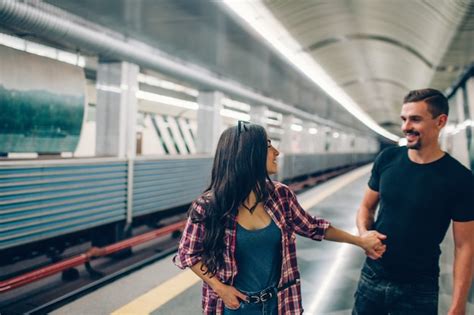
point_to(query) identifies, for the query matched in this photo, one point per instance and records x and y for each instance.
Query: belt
(269, 293)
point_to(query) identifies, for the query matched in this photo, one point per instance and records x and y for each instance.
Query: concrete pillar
(209, 121)
(116, 110)
(258, 115)
(459, 106)
(291, 140)
(460, 143)
(470, 105)
(470, 96)
(309, 137)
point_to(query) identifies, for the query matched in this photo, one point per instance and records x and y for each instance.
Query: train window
(172, 135)
(185, 128)
(163, 144)
(178, 126)
(190, 129)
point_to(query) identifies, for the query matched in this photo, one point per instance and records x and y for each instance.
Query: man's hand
(373, 246)
(230, 296)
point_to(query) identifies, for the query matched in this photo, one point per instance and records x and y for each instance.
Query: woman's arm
(318, 229)
(229, 294)
(371, 241)
(301, 221)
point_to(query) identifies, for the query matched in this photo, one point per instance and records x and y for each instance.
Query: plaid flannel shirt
(286, 212)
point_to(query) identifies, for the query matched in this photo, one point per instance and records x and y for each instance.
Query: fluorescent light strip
(166, 100)
(274, 115)
(108, 88)
(42, 50)
(275, 130)
(453, 129)
(313, 131)
(296, 127)
(237, 105)
(262, 21)
(153, 81)
(234, 114)
(148, 96)
(272, 121)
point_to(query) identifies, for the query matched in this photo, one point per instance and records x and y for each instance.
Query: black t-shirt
(417, 204)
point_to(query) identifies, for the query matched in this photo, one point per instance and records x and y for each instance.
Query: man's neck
(426, 155)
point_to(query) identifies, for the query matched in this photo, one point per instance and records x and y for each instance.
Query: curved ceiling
(379, 50)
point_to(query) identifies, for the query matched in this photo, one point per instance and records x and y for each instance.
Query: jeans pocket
(368, 272)
(230, 310)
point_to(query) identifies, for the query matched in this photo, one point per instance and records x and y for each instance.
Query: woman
(240, 234)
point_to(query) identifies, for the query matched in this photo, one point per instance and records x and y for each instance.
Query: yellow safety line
(335, 186)
(158, 296)
(168, 290)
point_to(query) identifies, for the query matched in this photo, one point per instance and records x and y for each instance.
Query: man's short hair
(437, 102)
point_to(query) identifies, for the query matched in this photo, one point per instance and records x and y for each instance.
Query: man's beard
(414, 146)
(417, 144)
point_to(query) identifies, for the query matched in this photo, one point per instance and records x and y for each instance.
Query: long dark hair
(239, 168)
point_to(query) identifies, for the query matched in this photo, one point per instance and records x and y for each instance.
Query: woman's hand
(230, 296)
(372, 244)
(227, 293)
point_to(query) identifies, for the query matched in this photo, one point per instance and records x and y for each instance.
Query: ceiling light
(168, 85)
(296, 127)
(275, 130)
(234, 114)
(42, 50)
(236, 105)
(166, 100)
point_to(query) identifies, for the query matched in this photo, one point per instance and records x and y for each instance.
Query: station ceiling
(375, 50)
(378, 50)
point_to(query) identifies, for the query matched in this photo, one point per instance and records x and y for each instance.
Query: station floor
(329, 271)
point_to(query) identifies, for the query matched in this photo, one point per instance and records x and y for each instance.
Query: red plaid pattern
(288, 215)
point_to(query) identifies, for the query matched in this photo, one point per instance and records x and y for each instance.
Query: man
(421, 189)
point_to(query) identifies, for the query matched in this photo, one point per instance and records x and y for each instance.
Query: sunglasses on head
(242, 126)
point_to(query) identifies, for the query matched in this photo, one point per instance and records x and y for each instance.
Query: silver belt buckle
(266, 296)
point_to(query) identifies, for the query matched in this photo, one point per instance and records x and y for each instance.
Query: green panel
(39, 121)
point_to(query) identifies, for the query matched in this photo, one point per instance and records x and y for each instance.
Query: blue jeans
(269, 307)
(378, 296)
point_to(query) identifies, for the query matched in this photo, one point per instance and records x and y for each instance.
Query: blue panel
(39, 200)
(167, 183)
(295, 165)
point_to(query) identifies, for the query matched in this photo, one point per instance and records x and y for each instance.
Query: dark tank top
(258, 255)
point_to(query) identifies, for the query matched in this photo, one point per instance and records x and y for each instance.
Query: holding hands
(372, 244)
(370, 241)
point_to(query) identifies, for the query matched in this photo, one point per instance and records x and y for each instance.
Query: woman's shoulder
(279, 185)
(201, 203)
(280, 190)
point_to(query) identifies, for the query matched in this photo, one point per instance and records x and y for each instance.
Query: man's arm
(366, 214)
(463, 269)
(366, 217)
